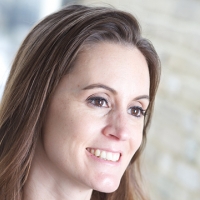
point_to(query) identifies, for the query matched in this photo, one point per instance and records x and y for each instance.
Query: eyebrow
(98, 85)
(142, 97)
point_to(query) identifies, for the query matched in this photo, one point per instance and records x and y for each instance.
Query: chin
(107, 185)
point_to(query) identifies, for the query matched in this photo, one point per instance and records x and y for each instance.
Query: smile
(106, 155)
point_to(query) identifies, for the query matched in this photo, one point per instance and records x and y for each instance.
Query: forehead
(116, 65)
(111, 58)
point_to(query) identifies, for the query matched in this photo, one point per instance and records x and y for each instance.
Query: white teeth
(115, 157)
(97, 152)
(109, 156)
(92, 151)
(105, 155)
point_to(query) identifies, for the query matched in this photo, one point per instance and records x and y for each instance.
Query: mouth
(105, 155)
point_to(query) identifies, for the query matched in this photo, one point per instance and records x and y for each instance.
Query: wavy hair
(45, 56)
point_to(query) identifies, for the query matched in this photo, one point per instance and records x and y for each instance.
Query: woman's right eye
(98, 102)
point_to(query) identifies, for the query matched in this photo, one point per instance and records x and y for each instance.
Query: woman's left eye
(98, 102)
(136, 111)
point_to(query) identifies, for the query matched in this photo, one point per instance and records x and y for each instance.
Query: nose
(117, 127)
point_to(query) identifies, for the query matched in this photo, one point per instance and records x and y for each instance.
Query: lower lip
(98, 159)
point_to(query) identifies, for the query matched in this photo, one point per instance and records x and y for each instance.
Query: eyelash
(92, 100)
(141, 111)
(100, 100)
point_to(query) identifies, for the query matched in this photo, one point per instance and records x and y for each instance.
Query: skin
(62, 167)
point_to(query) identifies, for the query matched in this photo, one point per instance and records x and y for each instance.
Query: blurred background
(171, 160)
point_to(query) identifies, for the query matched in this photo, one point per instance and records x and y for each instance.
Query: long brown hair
(46, 55)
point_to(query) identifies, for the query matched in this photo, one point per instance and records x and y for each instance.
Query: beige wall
(172, 156)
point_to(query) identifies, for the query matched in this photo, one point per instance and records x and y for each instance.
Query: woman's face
(95, 120)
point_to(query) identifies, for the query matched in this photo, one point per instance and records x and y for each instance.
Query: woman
(76, 107)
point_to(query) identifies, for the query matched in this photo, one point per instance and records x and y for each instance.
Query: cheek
(136, 144)
(140, 136)
(56, 127)
(137, 137)
(139, 140)
(70, 123)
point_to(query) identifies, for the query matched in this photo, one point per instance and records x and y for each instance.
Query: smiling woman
(76, 107)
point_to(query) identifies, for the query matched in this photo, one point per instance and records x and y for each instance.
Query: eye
(98, 102)
(136, 111)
